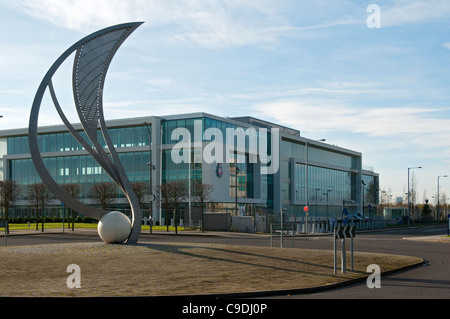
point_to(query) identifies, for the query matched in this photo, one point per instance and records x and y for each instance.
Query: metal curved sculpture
(92, 59)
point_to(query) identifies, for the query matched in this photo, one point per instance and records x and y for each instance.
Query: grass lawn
(170, 269)
(79, 226)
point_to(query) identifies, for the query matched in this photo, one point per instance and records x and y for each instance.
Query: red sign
(305, 209)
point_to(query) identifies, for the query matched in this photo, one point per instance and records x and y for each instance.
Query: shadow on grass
(189, 251)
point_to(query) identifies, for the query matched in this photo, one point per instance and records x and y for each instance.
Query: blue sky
(311, 65)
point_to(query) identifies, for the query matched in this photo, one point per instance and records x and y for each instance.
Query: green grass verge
(80, 226)
(50, 226)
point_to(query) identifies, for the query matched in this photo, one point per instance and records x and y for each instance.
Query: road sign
(350, 232)
(343, 232)
(339, 232)
(305, 209)
(345, 216)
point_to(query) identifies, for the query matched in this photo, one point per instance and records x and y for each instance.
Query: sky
(325, 68)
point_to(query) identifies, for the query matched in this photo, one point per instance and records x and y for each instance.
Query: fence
(326, 226)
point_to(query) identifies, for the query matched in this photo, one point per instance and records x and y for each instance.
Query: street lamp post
(282, 228)
(363, 184)
(236, 189)
(409, 208)
(328, 191)
(381, 206)
(306, 171)
(438, 207)
(317, 207)
(151, 168)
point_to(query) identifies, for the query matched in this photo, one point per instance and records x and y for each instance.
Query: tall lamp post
(306, 171)
(409, 208)
(328, 191)
(151, 168)
(363, 184)
(438, 207)
(381, 206)
(236, 189)
(317, 208)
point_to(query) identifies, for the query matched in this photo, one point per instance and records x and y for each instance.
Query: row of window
(64, 141)
(203, 124)
(82, 169)
(298, 151)
(120, 137)
(323, 184)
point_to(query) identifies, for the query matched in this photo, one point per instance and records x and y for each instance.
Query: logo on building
(219, 170)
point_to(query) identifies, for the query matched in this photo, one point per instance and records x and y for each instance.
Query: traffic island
(174, 269)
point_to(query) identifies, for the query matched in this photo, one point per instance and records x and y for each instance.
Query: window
(320, 180)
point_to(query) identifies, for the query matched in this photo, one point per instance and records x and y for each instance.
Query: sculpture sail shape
(92, 59)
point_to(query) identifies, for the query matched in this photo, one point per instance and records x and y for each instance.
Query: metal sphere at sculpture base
(114, 227)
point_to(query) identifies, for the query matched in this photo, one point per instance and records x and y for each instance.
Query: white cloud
(126, 109)
(209, 24)
(412, 12)
(421, 125)
(81, 14)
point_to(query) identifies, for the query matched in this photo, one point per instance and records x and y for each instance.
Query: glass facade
(172, 172)
(370, 190)
(333, 179)
(176, 172)
(339, 184)
(79, 169)
(66, 167)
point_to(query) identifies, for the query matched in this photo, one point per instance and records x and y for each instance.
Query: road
(424, 282)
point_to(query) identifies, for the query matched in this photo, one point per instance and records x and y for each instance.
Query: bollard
(5, 225)
(271, 236)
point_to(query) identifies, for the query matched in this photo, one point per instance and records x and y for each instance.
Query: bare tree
(104, 193)
(73, 190)
(163, 193)
(141, 190)
(202, 194)
(9, 191)
(413, 193)
(172, 194)
(442, 202)
(39, 196)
